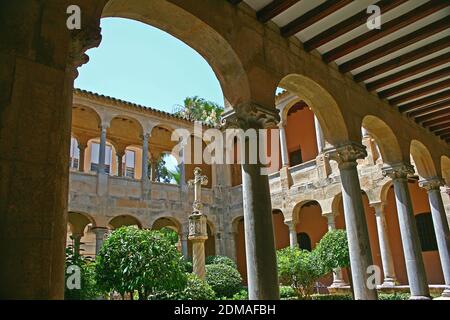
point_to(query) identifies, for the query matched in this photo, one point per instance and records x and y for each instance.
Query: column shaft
(120, 170)
(198, 258)
(145, 157)
(82, 149)
(293, 242)
(102, 150)
(100, 234)
(319, 135)
(283, 143)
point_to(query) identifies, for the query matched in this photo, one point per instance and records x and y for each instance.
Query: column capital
(282, 124)
(145, 136)
(434, 183)
(346, 154)
(82, 40)
(331, 219)
(103, 126)
(379, 207)
(251, 115)
(291, 224)
(398, 171)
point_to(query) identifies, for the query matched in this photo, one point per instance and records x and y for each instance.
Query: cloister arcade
(375, 169)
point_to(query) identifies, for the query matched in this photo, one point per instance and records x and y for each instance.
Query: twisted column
(198, 235)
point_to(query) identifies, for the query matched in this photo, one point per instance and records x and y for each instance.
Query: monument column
(385, 248)
(408, 230)
(440, 223)
(258, 225)
(355, 218)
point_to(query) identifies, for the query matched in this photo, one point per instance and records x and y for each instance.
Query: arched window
(304, 241)
(425, 228)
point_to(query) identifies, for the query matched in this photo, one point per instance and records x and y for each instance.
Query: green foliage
(331, 297)
(170, 234)
(393, 296)
(220, 260)
(241, 295)
(332, 250)
(199, 109)
(287, 293)
(299, 269)
(139, 260)
(88, 287)
(197, 289)
(223, 279)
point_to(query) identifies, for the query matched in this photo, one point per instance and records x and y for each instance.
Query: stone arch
(422, 159)
(445, 167)
(195, 33)
(168, 222)
(126, 127)
(78, 221)
(323, 105)
(124, 220)
(385, 138)
(85, 117)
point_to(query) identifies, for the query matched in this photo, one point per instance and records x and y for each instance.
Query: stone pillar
(319, 135)
(338, 279)
(385, 248)
(102, 149)
(100, 235)
(145, 138)
(410, 238)
(440, 226)
(293, 242)
(36, 74)
(120, 169)
(76, 242)
(355, 218)
(82, 148)
(198, 234)
(154, 163)
(283, 144)
(184, 244)
(258, 225)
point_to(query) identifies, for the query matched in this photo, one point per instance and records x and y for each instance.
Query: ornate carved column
(385, 248)
(355, 218)
(82, 148)
(410, 238)
(440, 223)
(338, 279)
(259, 236)
(293, 242)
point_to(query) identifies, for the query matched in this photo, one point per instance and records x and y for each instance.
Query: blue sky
(141, 64)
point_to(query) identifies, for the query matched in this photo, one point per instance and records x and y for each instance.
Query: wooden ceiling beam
(274, 8)
(424, 102)
(421, 92)
(441, 126)
(442, 132)
(312, 16)
(431, 112)
(409, 72)
(438, 120)
(388, 28)
(396, 62)
(348, 25)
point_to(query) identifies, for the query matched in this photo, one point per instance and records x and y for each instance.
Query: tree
(143, 261)
(163, 173)
(199, 109)
(299, 269)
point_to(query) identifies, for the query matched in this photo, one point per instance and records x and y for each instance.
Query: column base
(389, 283)
(420, 298)
(446, 292)
(338, 284)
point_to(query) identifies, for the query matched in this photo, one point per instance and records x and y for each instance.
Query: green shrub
(220, 260)
(331, 297)
(287, 293)
(223, 279)
(393, 296)
(332, 250)
(197, 289)
(241, 295)
(299, 269)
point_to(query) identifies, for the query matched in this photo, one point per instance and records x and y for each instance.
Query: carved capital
(250, 116)
(379, 208)
(346, 154)
(398, 171)
(198, 227)
(430, 184)
(82, 40)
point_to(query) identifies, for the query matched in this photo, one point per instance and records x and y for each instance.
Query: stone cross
(197, 182)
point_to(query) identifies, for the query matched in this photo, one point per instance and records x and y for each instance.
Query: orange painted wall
(300, 131)
(431, 258)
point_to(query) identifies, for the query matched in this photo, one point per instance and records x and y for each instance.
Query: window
(95, 151)
(74, 153)
(129, 163)
(295, 157)
(425, 228)
(304, 241)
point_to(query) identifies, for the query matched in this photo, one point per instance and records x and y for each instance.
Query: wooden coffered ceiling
(407, 61)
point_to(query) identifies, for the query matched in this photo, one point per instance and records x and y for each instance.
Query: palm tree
(199, 109)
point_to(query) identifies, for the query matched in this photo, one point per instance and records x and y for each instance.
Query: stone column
(440, 223)
(154, 163)
(184, 244)
(410, 238)
(102, 149)
(283, 144)
(198, 234)
(120, 170)
(355, 218)
(100, 235)
(319, 135)
(76, 242)
(385, 248)
(145, 138)
(258, 225)
(82, 148)
(39, 59)
(293, 242)
(338, 279)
